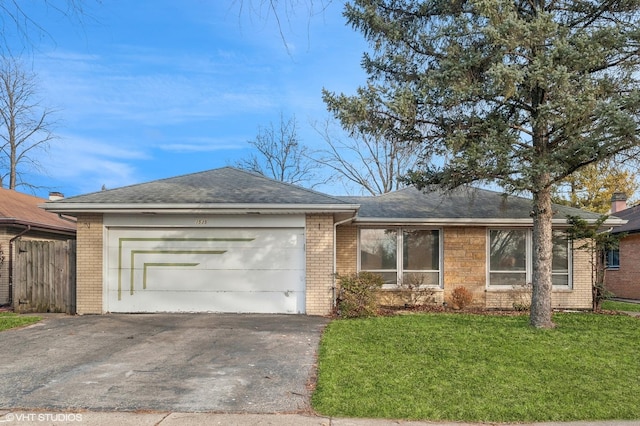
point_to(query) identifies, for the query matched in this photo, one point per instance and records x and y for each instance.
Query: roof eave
(40, 227)
(75, 208)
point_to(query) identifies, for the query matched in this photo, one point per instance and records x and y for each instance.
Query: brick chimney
(55, 196)
(618, 202)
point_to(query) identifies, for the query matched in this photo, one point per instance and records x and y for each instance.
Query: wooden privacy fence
(44, 276)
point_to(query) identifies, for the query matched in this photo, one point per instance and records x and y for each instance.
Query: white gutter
(69, 208)
(470, 221)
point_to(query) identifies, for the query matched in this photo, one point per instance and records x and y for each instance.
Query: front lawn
(475, 368)
(612, 305)
(10, 320)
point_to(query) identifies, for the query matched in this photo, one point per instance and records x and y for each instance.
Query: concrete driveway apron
(167, 362)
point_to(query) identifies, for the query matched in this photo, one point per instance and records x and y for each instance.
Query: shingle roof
(226, 185)
(461, 203)
(632, 215)
(16, 207)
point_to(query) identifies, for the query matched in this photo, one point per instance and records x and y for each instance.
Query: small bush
(357, 295)
(460, 298)
(521, 295)
(415, 293)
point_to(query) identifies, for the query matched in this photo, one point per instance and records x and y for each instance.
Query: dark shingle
(461, 203)
(229, 186)
(226, 185)
(632, 215)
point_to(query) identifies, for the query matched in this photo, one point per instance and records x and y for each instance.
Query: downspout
(335, 258)
(11, 241)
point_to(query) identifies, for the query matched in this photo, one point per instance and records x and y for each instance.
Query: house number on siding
(201, 221)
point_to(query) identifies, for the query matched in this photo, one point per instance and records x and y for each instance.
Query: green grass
(10, 320)
(612, 305)
(459, 367)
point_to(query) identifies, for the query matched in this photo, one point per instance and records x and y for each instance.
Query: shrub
(460, 298)
(415, 293)
(521, 295)
(357, 295)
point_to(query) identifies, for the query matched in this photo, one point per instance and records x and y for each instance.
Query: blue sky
(153, 89)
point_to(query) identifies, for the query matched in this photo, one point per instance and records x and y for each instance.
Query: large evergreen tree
(521, 93)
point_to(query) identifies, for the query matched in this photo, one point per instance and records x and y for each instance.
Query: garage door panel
(258, 266)
(259, 258)
(233, 259)
(183, 301)
(183, 278)
(205, 238)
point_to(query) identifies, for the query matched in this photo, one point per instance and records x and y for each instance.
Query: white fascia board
(468, 222)
(69, 208)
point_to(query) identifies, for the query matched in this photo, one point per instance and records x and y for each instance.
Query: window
(402, 255)
(560, 261)
(510, 258)
(378, 252)
(612, 259)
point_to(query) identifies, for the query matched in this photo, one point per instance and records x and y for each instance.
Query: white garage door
(259, 270)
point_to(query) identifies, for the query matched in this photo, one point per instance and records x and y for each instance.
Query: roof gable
(219, 187)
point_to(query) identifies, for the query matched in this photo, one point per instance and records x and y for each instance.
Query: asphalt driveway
(167, 362)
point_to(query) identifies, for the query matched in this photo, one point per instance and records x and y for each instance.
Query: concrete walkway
(43, 418)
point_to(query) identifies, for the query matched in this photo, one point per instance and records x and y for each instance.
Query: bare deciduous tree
(282, 11)
(371, 162)
(19, 28)
(25, 125)
(280, 155)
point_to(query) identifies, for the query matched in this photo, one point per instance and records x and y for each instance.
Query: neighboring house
(622, 277)
(227, 240)
(21, 218)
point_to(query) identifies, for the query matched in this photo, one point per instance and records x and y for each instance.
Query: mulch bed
(395, 310)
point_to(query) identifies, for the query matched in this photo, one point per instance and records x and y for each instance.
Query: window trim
(529, 260)
(399, 270)
(612, 266)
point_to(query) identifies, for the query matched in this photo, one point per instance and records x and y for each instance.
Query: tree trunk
(598, 288)
(542, 260)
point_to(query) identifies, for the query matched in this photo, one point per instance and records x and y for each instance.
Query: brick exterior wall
(89, 264)
(319, 259)
(625, 281)
(581, 295)
(346, 249)
(465, 263)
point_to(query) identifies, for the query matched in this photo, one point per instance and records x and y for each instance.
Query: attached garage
(223, 240)
(224, 265)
